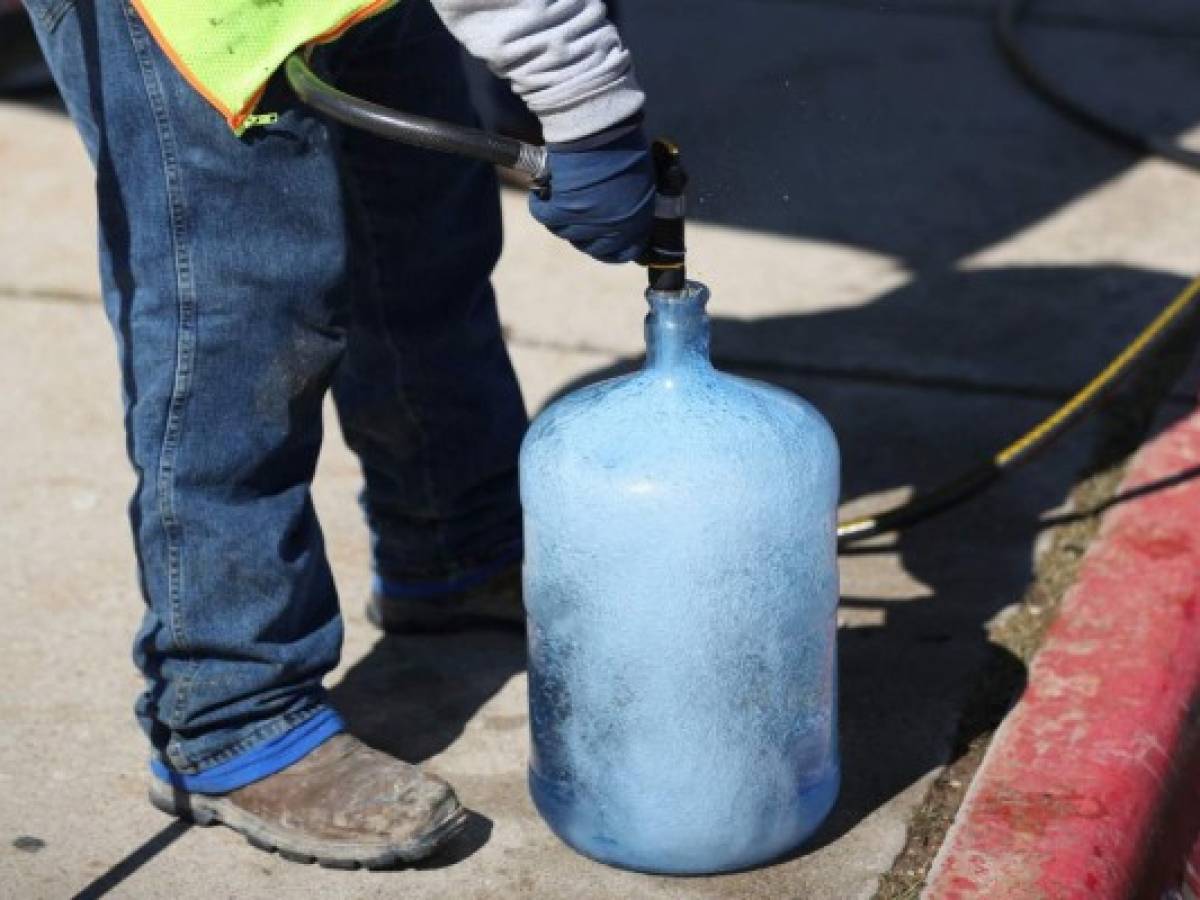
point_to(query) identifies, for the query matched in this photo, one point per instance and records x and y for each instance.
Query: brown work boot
(343, 806)
(495, 602)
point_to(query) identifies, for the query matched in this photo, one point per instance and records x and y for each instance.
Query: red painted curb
(1077, 795)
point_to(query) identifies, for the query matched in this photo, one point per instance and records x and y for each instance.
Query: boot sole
(204, 810)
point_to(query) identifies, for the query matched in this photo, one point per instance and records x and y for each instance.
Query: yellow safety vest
(228, 49)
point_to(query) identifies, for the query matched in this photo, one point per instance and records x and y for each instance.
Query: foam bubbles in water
(681, 583)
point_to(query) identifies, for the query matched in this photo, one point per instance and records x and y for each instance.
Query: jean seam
(50, 16)
(184, 765)
(358, 209)
(185, 338)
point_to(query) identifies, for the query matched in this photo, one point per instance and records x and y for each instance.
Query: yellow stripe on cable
(1113, 371)
(863, 526)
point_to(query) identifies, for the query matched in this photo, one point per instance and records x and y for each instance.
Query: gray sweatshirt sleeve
(563, 58)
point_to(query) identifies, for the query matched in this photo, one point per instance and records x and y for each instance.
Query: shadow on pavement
(116, 874)
(1123, 497)
(472, 838)
(412, 696)
(899, 127)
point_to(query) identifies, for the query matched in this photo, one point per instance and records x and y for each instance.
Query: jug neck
(677, 329)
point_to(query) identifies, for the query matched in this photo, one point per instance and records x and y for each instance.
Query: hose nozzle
(665, 257)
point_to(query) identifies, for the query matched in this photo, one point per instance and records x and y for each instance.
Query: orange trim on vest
(237, 119)
(188, 75)
(351, 20)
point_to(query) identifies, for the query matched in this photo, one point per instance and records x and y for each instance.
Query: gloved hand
(601, 195)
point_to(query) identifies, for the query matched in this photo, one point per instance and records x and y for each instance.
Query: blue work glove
(601, 196)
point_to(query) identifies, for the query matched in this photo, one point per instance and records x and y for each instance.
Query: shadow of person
(412, 696)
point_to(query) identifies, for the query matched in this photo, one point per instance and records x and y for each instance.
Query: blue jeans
(245, 278)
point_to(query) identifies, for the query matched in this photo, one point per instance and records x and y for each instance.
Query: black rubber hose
(416, 131)
(1008, 12)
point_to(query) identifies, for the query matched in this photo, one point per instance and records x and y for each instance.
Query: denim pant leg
(224, 266)
(426, 395)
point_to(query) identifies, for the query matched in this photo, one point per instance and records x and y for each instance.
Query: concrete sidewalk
(890, 226)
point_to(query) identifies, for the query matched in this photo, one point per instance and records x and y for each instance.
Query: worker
(255, 257)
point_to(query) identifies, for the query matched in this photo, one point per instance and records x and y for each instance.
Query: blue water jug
(681, 584)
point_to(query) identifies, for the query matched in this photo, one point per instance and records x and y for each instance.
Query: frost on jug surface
(681, 584)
